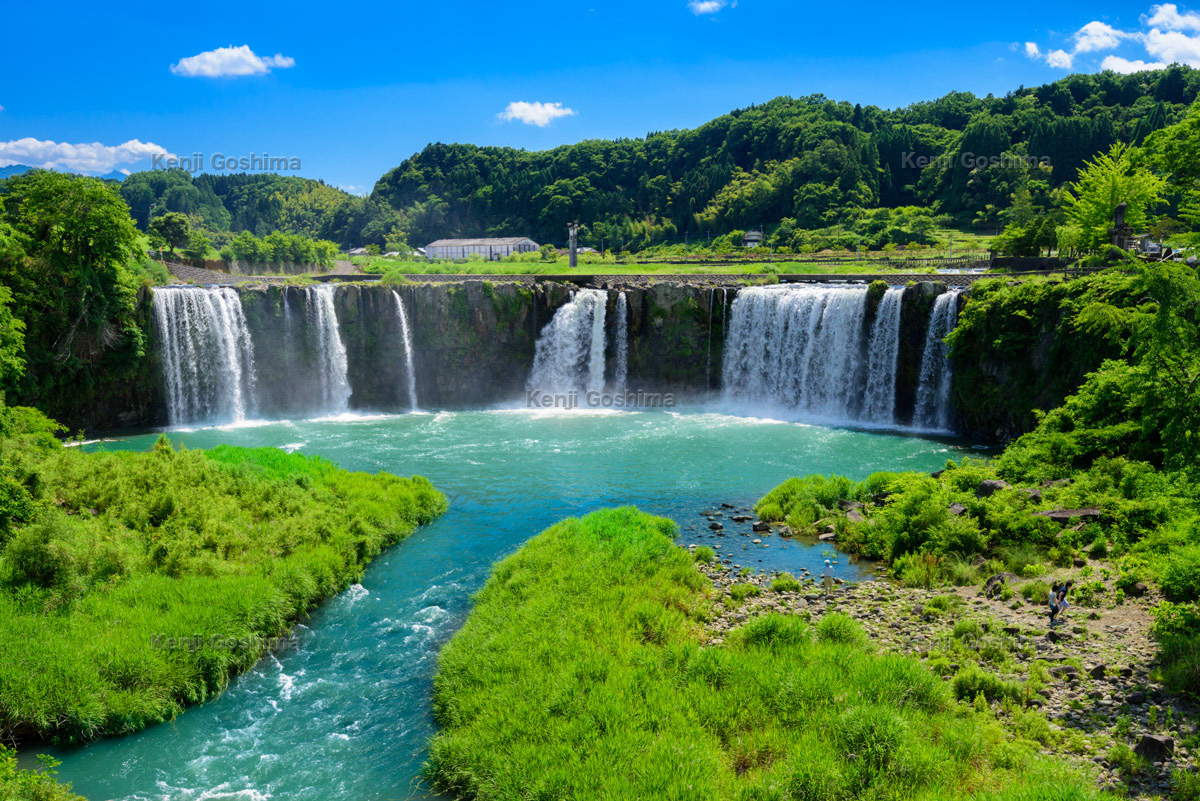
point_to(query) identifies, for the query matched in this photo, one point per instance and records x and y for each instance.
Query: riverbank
(1087, 691)
(133, 585)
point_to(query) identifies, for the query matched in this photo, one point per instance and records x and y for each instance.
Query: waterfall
(933, 392)
(331, 353)
(410, 376)
(622, 343)
(206, 353)
(879, 401)
(570, 350)
(807, 348)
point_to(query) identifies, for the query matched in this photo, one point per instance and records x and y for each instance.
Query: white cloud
(1098, 36)
(539, 114)
(1125, 66)
(1164, 38)
(1060, 59)
(1167, 16)
(1173, 46)
(85, 157)
(699, 7)
(229, 62)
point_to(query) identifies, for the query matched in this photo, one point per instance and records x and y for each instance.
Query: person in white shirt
(1053, 603)
(827, 578)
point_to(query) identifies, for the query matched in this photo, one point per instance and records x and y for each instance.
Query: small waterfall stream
(879, 401)
(331, 352)
(410, 376)
(933, 409)
(569, 355)
(622, 344)
(206, 352)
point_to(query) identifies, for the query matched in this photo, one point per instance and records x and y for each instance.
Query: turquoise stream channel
(344, 712)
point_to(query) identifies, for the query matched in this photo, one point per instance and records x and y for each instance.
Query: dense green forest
(794, 165)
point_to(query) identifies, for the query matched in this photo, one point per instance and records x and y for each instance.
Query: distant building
(490, 249)
(752, 239)
(357, 252)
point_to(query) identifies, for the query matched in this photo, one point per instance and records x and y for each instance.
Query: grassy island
(585, 671)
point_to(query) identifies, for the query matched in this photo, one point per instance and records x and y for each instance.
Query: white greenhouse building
(490, 249)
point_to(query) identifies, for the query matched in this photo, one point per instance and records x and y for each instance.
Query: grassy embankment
(106, 555)
(1116, 462)
(842, 266)
(582, 673)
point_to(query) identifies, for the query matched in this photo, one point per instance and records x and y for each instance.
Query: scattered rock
(957, 508)
(1138, 590)
(715, 526)
(741, 518)
(1155, 748)
(992, 585)
(1097, 671)
(1057, 636)
(1136, 698)
(846, 505)
(855, 516)
(990, 487)
(1033, 494)
(1079, 562)
(829, 536)
(761, 526)
(1088, 514)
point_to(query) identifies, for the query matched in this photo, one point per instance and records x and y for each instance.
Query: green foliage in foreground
(580, 674)
(31, 785)
(103, 556)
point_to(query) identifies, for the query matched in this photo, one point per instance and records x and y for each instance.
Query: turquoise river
(344, 713)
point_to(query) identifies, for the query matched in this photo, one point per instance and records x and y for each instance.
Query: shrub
(704, 554)
(774, 631)
(1180, 579)
(841, 629)
(40, 553)
(967, 629)
(973, 680)
(1123, 758)
(742, 591)
(785, 582)
(875, 734)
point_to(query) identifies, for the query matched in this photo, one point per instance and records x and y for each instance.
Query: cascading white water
(807, 348)
(932, 409)
(206, 352)
(570, 351)
(622, 343)
(879, 400)
(410, 376)
(331, 353)
(712, 294)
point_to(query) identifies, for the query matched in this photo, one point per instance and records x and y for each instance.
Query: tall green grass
(581, 673)
(120, 552)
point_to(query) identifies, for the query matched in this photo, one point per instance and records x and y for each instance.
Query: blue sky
(352, 89)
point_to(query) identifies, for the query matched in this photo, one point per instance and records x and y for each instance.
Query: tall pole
(573, 234)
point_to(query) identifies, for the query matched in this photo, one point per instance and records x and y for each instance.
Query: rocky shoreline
(1092, 679)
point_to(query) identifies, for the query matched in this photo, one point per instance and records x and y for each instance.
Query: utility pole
(573, 236)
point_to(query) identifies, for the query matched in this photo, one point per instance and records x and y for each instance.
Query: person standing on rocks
(827, 578)
(1063, 603)
(1053, 602)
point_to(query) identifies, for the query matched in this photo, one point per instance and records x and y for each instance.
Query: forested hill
(789, 164)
